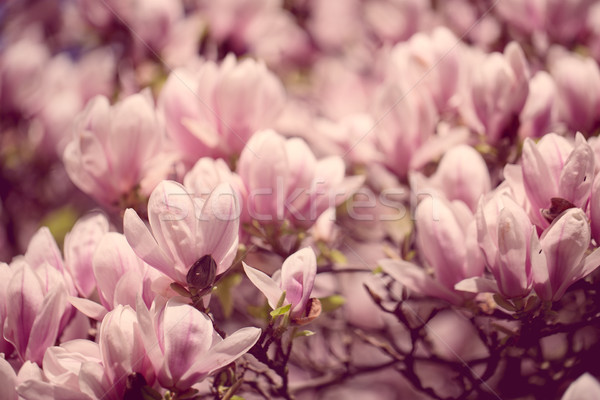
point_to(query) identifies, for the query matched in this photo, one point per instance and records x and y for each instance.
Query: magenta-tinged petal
(298, 277)
(477, 285)
(540, 186)
(145, 246)
(188, 336)
(463, 175)
(263, 167)
(221, 354)
(441, 239)
(90, 308)
(576, 178)
(539, 269)
(94, 382)
(80, 245)
(148, 331)
(113, 258)
(25, 297)
(218, 227)
(173, 218)
(511, 272)
(120, 344)
(564, 244)
(265, 284)
(128, 287)
(42, 248)
(44, 330)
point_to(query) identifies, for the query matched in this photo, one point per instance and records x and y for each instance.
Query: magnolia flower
(555, 168)
(461, 175)
(8, 380)
(119, 275)
(296, 280)
(61, 374)
(559, 258)
(578, 91)
(447, 242)
(36, 309)
(504, 234)
(214, 110)
(183, 229)
(183, 346)
(497, 92)
(285, 181)
(116, 148)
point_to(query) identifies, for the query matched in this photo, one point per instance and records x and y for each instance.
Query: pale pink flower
(555, 168)
(447, 242)
(36, 309)
(461, 175)
(540, 113)
(497, 92)
(296, 280)
(8, 380)
(60, 376)
(184, 228)
(285, 181)
(117, 148)
(119, 276)
(559, 258)
(578, 91)
(213, 110)
(80, 245)
(504, 235)
(183, 345)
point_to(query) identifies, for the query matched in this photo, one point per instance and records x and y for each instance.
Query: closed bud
(203, 273)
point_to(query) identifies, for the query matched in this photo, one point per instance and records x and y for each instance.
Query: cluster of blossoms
(263, 199)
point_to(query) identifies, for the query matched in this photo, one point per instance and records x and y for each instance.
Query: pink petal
(223, 353)
(187, 337)
(265, 284)
(145, 246)
(79, 247)
(298, 274)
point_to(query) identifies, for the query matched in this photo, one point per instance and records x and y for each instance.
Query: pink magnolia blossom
(432, 61)
(540, 112)
(285, 181)
(213, 110)
(183, 345)
(184, 228)
(559, 257)
(578, 91)
(36, 309)
(555, 168)
(60, 376)
(116, 148)
(461, 175)
(406, 117)
(119, 276)
(504, 235)
(447, 241)
(80, 245)
(497, 92)
(296, 280)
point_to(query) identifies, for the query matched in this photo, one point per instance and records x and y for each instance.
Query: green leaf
(331, 303)
(223, 292)
(377, 270)
(236, 397)
(338, 257)
(280, 311)
(303, 333)
(504, 303)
